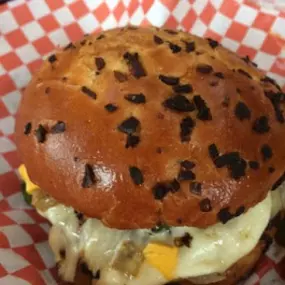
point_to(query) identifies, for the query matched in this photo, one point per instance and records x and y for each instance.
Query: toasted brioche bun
(123, 165)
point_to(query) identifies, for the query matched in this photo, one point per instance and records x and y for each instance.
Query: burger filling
(150, 256)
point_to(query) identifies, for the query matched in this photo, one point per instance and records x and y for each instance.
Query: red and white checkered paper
(31, 29)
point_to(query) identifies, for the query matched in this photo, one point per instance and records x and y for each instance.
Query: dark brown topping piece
(204, 112)
(224, 215)
(157, 40)
(88, 92)
(179, 103)
(226, 159)
(28, 128)
(237, 168)
(79, 215)
(184, 88)
(132, 141)
(185, 240)
(59, 127)
(204, 68)
(102, 36)
(266, 152)
(271, 169)
(158, 150)
(241, 71)
(129, 126)
(195, 188)
(253, 165)
(205, 205)
(100, 63)
(161, 189)
(120, 76)
(174, 48)
(240, 211)
(69, 46)
(186, 175)
(276, 99)
(219, 75)
(213, 44)
(214, 83)
(111, 107)
(135, 66)
(186, 127)
(241, 111)
(190, 46)
(89, 178)
(169, 80)
(136, 98)
(40, 133)
(261, 125)
(171, 32)
(136, 175)
(278, 182)
(187, 164)
(247, 60)
(267, 79)
(235, 164)
(254, 64)
(52, 58)
(47, 90)
(213, 151)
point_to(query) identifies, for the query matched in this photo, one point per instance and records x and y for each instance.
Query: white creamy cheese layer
(213, 250)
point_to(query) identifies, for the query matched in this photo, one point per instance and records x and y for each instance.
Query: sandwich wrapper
(30, 30)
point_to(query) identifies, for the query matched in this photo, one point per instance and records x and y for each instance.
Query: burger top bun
(146, 126)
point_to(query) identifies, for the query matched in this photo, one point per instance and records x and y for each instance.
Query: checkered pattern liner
(31, 29)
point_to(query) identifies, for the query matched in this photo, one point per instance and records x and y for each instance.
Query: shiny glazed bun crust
(142, 126)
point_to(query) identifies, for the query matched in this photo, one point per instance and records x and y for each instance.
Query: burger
(157, 157)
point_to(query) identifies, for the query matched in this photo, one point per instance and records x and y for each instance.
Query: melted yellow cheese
(30, 186)
(162, 257)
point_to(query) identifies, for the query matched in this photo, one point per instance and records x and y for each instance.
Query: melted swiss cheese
(213, 250)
